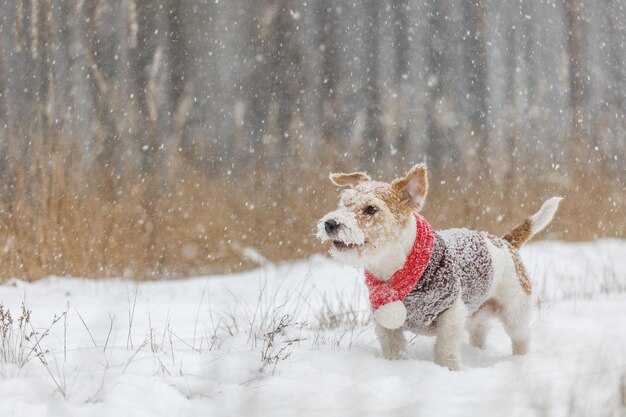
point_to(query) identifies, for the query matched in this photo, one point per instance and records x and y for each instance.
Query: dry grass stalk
(19, 340)
(275, 348)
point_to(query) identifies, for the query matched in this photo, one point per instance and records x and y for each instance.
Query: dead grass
(20, 342)
(60, 215)
(340, 320)
(15, 337)
(276, 346)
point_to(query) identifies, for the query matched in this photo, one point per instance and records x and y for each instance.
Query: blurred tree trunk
(435, 72)
(578, 73)
(287, 78)
(530, 51)
(328, 103)
(150, 86)
(511, 106)
(475, 57)
(581, 170)
(276, 80)
(181, 78)
(5, 21)
(257, 88)
(45, 94)
(617, 83)
(401, 71)
(27, 52)
(100, 34)
(5, 120)
(178, 52)
(149, 39)
(149, 89)
(373, 135)
(617, 64)
(92, 26)
(532, 83)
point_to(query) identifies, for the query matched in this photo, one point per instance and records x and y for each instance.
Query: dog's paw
(520, 347)
(391, 316)
(393, 356)
(452, 363)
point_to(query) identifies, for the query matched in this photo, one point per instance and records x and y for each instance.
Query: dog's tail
(534, 224)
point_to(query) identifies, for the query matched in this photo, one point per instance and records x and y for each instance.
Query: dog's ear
(413, 187)
(352, 180)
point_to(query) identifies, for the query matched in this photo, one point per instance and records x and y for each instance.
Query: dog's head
(371, 214)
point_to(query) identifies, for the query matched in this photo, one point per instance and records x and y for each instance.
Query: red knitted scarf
(404, 279)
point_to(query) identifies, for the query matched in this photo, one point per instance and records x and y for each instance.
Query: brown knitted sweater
(460, 263)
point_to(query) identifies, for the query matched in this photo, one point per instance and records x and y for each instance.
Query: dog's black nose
(331, 226)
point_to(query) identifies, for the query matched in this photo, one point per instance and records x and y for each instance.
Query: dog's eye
(370, 210)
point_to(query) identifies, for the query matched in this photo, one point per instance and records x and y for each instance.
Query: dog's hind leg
(478, 324)
(512, 292)
(515, 317)
(392, 342)
(450, 328)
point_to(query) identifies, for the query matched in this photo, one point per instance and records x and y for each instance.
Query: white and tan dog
(430, 282)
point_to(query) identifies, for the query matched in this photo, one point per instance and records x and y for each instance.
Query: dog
(426, 282)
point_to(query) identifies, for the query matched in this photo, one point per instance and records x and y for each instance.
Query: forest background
(166, 138)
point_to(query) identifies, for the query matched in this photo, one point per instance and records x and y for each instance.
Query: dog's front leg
(450, 327)
(392, 342)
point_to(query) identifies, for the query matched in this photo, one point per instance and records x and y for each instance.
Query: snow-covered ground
(296, 339)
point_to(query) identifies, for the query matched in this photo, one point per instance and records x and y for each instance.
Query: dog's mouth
(342, 246)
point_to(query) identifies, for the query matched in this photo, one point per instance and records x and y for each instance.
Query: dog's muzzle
(341, 227)
(331, 226)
